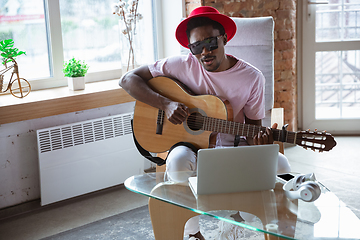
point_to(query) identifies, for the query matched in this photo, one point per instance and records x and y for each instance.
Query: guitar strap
(159, 161)
(144, 153)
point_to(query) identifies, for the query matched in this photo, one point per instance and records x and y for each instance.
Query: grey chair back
(254, 43)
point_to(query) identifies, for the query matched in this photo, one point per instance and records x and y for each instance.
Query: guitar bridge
(160, 122)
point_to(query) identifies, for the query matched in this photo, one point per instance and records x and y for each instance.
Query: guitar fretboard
(241, 129)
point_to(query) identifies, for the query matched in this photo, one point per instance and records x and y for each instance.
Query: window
(338, 20)
(338, 72)
(24, 21)
(90, 32)
(337, 84)
(54, 31)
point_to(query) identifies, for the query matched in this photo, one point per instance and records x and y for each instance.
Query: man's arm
(135, 83)
(262, 137)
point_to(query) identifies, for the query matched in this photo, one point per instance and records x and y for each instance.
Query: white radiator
(87, 156)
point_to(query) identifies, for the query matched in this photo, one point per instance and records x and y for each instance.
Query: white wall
(19, 168)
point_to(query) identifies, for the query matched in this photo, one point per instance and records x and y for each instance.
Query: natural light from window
(91, 33)
(85, 29)
(338, 20)
(24, 22)
(338, 71)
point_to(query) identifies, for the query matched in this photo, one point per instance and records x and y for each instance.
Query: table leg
(168, 220)
(272, 237)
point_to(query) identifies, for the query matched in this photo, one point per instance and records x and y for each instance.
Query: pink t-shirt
(242, 85)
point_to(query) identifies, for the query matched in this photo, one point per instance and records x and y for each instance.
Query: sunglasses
(210, 44)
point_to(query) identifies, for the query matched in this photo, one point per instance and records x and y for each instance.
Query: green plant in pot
(8, 51)
(75, 71)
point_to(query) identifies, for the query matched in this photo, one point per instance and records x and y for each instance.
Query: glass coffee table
(270, 212)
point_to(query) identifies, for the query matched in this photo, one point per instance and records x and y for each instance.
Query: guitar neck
(242, 129)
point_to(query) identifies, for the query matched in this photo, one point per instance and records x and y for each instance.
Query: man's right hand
(176, 112)
(135, 83)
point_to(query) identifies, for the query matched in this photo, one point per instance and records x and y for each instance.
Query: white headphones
(304, 187)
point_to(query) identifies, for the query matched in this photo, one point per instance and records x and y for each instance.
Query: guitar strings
(197, 121)
(200, 122)
(220, 125)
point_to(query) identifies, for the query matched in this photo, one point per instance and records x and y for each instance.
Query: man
(207, 70)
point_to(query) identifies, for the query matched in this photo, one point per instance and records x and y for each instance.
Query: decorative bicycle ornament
(19, 87)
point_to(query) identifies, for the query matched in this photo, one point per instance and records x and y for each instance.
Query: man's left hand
(264, 137)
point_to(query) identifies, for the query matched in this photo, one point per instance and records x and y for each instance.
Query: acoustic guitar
(208, 114)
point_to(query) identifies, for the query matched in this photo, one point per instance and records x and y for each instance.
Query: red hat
(205, 11)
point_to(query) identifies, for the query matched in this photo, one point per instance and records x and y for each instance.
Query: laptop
(235, 169)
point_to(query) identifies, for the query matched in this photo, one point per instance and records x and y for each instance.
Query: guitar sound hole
(195, 121)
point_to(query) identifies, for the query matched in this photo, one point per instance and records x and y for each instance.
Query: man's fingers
(178, 118)
(255, 140)
(177, 112)
(186, 109)
(270, 134)
(265, 138)
(260, 138)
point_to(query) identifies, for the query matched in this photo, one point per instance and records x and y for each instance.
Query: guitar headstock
(321, 141)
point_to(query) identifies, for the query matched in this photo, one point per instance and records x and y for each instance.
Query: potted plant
(8, 52)
(75, 71)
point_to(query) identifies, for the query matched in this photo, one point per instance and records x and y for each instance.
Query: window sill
(49, 102)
